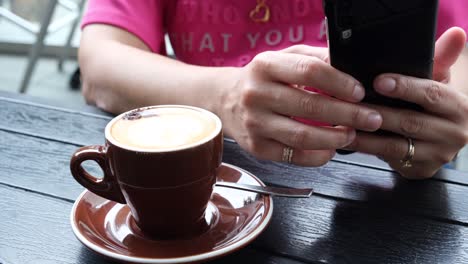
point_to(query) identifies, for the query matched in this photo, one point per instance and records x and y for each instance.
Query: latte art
(163, 128)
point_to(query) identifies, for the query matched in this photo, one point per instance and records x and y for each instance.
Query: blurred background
(38, 48)
(38, 51)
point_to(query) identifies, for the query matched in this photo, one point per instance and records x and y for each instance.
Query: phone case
(370, 37)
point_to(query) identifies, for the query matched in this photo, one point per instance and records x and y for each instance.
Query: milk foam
(164, 128)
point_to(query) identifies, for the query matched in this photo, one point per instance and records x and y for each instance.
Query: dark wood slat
(80, 128)
(344, 232)
(20, 111)
(37, 164)
(48, 103)
(36, 229)
(42, 166)
(339, 180)
(85, 126)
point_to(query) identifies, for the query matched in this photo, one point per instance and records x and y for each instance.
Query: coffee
(162, 162)
(164, 129)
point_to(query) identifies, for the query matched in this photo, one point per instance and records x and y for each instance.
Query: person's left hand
(438, 132)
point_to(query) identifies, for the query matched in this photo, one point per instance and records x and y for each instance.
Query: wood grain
(35, 229)
(79, 128)
(43, 166)
(358, 215)
(342, 232)
(86, 127)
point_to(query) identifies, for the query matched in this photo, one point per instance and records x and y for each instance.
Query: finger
(273, 150)
(448, 47)
(304, 104)
(390, 147)
(433, 96)
(421, 126)
(418, 170)
(300, 136)
(319, 52)
(308, 71)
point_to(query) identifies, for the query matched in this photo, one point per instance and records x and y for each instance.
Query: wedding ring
(406, 161)
(287, 154)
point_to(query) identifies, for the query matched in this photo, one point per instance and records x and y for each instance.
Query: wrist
(224, 84)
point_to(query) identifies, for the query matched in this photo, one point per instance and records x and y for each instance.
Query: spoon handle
(285, 192)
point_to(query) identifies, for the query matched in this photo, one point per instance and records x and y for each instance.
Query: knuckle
(410, 124)
(349, 84)
(307, 65)
(434, 94)
(462, 107)
(298, 138)
(322, 159)
(460, 137)
(465, 137)
(262, 61)
(341, 139)
(250, 122)
(393, 149)
(252, 146)
(312, 107)
(256, 150)
(355, 115)
(418, 175)
(440, 157)
(297, 48)
(250, 95)
(404, 86)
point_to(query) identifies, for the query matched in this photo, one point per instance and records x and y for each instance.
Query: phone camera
(346, 34)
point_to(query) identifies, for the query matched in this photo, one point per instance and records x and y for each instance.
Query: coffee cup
(161, 161)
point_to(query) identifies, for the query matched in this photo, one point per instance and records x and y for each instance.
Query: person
(248, 61)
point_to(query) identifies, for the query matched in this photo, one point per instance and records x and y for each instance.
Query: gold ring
(287, 154)
(406, 161)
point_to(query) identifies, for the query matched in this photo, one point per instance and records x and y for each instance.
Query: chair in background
(45, 27)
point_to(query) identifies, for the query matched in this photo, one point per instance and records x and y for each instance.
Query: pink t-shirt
(222, 33)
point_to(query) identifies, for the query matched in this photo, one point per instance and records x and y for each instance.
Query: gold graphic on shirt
(261, 12)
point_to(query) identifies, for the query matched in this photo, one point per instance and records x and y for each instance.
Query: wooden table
(361, 211)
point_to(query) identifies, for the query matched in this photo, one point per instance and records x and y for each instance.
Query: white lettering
(299, 34)
(189, 10)
(210, 12)
(187, 41)
(226, 38)
(273, 37)
(253, 39)
(206, 43)
(323, 29)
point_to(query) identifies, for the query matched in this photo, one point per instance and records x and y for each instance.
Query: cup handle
(106, 187)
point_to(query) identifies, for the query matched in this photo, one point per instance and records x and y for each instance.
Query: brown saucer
(236, 218)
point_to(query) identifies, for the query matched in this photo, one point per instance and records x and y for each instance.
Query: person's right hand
(257, 111)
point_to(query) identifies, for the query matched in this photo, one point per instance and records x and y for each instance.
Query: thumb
(447, 49)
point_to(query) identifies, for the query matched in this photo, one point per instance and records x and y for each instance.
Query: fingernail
(374, 120)
(358, 92)
(351, 136)
(386, 85)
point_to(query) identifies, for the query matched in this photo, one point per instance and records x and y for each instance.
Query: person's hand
(439, 132)
(257, 111)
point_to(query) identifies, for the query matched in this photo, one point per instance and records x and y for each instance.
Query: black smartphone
(370, 37)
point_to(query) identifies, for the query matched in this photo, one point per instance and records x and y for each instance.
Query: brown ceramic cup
(166, 189)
